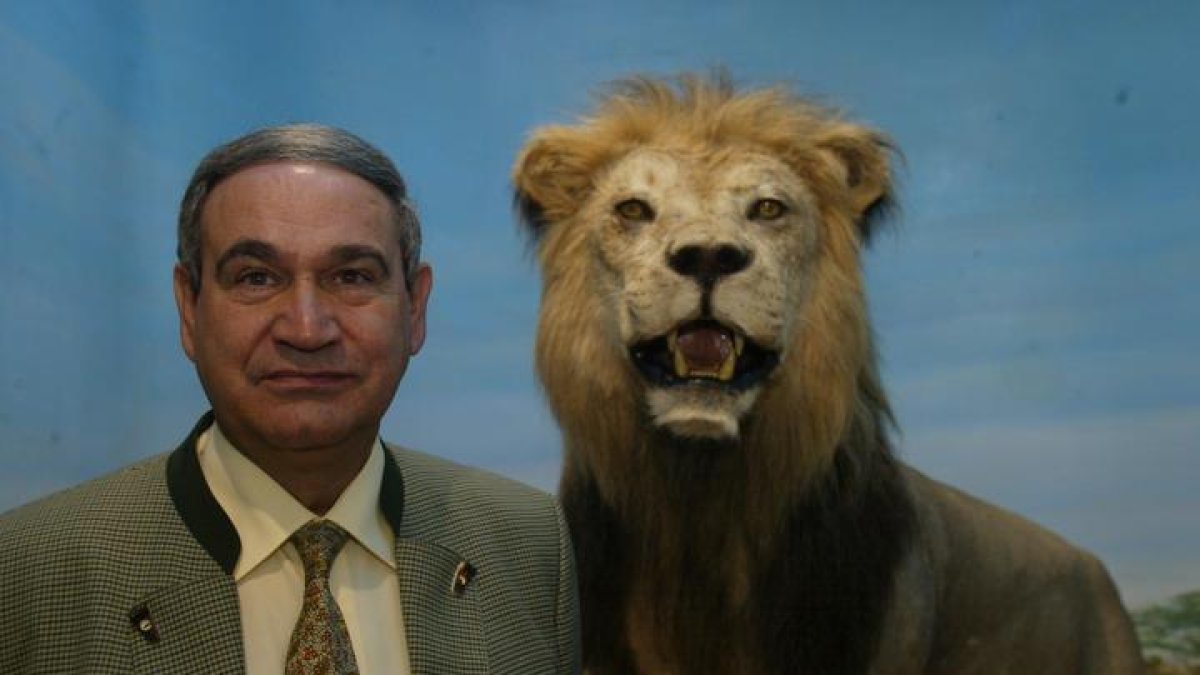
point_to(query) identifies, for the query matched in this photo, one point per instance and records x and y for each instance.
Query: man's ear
(553, 175)
(418, 297)
(185, 303)
(860, 158)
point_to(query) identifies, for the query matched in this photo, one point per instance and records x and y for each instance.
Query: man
(282, 535)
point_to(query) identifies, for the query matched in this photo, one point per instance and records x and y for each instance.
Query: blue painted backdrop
(1035, 301)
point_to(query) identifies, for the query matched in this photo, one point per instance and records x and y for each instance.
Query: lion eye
(766, 209)
(635, 209)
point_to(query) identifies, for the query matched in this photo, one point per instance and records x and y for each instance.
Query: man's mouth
(306, 379)
(703, 352)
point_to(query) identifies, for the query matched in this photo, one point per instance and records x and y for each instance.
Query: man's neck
(314, 476)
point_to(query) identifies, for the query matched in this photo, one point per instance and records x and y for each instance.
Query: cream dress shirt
(270, 576)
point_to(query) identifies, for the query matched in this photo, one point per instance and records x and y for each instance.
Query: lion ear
(552, 176)
(860, 157)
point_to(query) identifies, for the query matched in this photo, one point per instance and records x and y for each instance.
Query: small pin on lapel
(463, 574)
(143, 624)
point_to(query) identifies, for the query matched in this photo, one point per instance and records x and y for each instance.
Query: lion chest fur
(705, 347)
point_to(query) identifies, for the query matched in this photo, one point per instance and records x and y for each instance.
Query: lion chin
(699, 412)
(732, 496)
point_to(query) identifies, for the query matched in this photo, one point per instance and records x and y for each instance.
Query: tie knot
(318, 542)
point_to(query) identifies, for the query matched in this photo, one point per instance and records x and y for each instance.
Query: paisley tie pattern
(320, 643)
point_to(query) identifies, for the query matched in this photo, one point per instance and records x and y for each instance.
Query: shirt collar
(265, 515)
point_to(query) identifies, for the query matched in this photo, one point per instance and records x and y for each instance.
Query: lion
(704, 344)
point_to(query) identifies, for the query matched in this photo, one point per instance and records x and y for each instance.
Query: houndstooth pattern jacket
(130, 573)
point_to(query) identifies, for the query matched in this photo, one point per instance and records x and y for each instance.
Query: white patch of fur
(696, 413)
(703, 204)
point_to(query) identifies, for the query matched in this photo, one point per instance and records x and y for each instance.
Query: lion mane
(755, 521)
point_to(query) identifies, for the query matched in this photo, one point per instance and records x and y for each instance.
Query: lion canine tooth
(726, 372)
(682, 369)
(739, 343)
(681, 364)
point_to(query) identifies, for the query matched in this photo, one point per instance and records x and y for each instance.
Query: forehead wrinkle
(277, 203)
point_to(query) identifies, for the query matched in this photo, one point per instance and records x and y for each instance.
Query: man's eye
(766, 209)
(255, 278)
(354, 277)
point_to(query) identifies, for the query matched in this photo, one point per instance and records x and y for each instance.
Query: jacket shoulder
(473, 509)
(440, 480)
(75, 562)
(102, 507)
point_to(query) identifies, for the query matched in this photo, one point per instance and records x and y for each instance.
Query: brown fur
(782, 548)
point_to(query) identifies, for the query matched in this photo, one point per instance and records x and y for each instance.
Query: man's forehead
(257, 180)
(258, 248)
(317, 205)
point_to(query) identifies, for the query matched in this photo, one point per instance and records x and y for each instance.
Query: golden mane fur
(826, 394)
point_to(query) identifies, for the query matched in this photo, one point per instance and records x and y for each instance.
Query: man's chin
(299, 427)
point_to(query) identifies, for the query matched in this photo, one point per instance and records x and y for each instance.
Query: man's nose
(307, 321)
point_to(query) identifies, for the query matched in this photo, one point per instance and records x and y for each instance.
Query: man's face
(303, 324)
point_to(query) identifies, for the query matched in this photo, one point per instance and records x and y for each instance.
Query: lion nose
(708, 263)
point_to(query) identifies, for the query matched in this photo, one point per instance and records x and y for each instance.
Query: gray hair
(297, 143)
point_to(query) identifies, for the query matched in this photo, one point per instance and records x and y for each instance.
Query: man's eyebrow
(249, 248)
(350, 252)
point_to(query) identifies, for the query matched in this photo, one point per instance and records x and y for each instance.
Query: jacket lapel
(441, 623)
(189, 620)
(440, 601)
(193, 627)
(197, 506)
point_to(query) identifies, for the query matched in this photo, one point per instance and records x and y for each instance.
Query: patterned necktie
(320, 643)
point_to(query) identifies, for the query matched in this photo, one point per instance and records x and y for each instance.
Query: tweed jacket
(131, 573)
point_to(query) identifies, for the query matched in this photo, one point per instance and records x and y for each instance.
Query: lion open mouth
(703, 352)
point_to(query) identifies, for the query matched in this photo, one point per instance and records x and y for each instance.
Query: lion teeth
(723, 373)
(681, 365)
(726, 372)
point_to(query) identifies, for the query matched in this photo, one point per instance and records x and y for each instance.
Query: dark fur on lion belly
(817, 606)
(602, 575)
(828, 591)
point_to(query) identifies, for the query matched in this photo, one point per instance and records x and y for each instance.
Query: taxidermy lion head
(700, 256)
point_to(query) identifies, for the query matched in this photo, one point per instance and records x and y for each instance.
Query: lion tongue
(704, 351)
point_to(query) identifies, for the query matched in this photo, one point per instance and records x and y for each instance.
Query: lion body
(705, 347)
